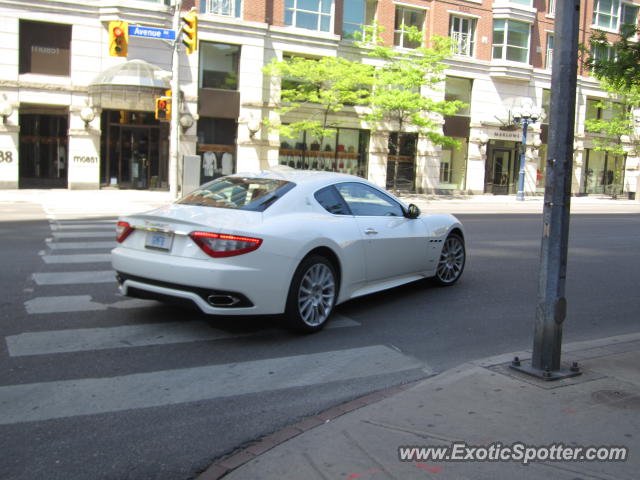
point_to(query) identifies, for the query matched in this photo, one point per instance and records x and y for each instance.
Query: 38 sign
(6, 156)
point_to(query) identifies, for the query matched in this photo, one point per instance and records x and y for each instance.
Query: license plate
(159, 240)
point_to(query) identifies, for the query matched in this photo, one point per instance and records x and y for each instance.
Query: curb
(242, 455)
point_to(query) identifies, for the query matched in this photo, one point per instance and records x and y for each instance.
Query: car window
(241, 193)
(364, 200)
(331, 200)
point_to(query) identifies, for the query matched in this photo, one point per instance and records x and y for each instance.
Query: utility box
(190, 173)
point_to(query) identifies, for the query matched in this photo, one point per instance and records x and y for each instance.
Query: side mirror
(413, 211)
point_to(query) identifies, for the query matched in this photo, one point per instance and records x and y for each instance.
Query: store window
(453, 166)
(401, 162)
(511, 40)
(45, 48)
(345, 152)
(217, 147)
(603, 173)
(310, 14)
(462, 31)
(226, 8)
(407, 17)
(219, 65)
(356, 14)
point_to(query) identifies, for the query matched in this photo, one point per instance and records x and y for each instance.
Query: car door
(394, 244)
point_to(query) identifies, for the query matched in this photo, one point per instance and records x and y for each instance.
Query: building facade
(76, 117)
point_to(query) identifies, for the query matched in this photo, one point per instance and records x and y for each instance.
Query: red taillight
(222, 245)
(123, 230)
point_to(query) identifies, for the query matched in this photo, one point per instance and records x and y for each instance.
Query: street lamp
(524, 115)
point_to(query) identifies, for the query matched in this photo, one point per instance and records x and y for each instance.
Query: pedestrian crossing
(76, 278)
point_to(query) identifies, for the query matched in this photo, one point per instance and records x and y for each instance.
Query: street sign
(152, 32)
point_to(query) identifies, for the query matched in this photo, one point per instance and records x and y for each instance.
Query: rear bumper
(237, 290)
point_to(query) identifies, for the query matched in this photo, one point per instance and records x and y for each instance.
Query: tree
(397, 101)
(320, 89)
(622, 69)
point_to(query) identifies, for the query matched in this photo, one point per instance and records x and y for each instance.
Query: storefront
(603, 173)
(43, 147)
(134, 149)
(401, 162)
(344, 152)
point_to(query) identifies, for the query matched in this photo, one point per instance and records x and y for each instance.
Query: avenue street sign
(152, 32)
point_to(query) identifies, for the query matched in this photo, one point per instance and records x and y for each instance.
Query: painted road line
(80, 245)
(82, 220)
(127, 336)
(83, 234)
(79, 303)
(77, 258)
(75, 278)
(85, 226)
(71, 398)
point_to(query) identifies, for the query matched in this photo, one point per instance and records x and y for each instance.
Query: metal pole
(174, 126)
(520, 194)
(552, 305)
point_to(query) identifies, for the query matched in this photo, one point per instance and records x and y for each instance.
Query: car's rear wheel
(452, 260)
(312, 294)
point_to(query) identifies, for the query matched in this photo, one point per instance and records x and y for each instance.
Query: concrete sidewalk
(479, 403)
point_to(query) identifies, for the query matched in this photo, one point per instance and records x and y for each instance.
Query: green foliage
(618, 119)
(396, 98)
(391, 92)
(329, 83)
(623, 71)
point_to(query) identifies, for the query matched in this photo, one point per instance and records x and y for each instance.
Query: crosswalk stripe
(80, 245)
(78, 258)
(71, 398)
(84, 226)
(127, 336)
(74, 278)
(79, 303)
(83, 234)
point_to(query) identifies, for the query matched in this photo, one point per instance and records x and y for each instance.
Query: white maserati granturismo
(286, 242)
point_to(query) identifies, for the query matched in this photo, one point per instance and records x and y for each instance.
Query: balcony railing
(461, 44)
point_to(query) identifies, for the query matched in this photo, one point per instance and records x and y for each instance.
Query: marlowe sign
(152, 32)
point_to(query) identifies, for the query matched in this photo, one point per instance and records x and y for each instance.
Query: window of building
(511, 40)
(309, 14)
(356, 14)
(546, 104)
(549, 57)
(551, 8)
(462, 31)
(605, 13)
(227, 8)
(603, 173)
(453, 167)
(603, 52)
(522, 2)
(219, 65)
(457, 88)
(612, 14)
(598, 110)
(217, 146)
(45, 48)
(407, 17)
(344, 152)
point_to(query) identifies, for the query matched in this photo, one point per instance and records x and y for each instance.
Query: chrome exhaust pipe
(222, 300)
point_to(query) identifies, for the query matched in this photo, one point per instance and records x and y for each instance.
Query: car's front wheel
(452, 260)
(312, 294)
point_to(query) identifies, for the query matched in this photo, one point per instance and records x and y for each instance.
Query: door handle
(371, 231)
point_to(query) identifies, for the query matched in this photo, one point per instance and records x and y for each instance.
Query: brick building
(75, 117)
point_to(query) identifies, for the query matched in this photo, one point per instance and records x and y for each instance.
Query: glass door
(501, 178)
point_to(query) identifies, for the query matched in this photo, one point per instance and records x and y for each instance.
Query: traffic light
(190, 31)
(118, 38)
(163, 108)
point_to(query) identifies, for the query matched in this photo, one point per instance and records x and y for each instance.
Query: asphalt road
(93, 386)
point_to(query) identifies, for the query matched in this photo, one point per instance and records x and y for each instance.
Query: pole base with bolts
(546, 375)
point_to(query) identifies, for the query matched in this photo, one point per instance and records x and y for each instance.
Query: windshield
(241, 193)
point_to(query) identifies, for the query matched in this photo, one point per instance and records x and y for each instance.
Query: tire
(312, 295)
(452, 260)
